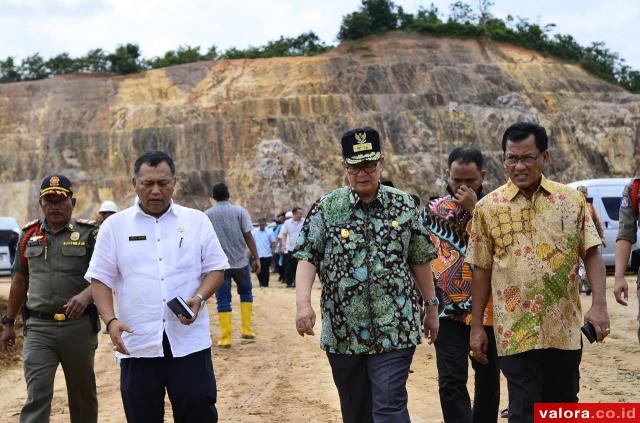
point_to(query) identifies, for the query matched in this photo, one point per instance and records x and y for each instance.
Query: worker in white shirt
(149, 254)
(288, 237)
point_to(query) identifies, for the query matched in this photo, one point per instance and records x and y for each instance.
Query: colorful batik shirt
(448, 224)
(362, 253)
(533, 247)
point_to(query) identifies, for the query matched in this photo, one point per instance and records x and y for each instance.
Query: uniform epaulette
(30, 224)
(86, 222)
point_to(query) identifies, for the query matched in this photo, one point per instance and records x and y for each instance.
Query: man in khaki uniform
(627, 236)
(60, 319)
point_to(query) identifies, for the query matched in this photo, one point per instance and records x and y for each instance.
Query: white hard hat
(108, 206)
(288, 215)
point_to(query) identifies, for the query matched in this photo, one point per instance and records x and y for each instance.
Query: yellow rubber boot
(225, 329)
(245, 311)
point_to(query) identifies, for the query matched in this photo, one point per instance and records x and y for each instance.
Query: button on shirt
(363, 253)
(263, 240)
(533, 248)
(148, 262)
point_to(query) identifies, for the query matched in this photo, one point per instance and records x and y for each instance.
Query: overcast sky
(75, 26)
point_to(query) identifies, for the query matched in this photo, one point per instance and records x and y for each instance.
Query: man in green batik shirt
(372, 252)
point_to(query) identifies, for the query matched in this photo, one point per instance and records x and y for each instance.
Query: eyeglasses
(368, 167)
(527, 160)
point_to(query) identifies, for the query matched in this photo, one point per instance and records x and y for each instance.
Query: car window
(5, 237)
(612, 206)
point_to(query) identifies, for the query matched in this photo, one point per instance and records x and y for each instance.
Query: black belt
(58, 317)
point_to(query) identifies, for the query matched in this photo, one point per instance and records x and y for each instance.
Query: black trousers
(290, 266)
(372, 387)
(548, 375)
(189, 381)
(452, 357)
(263, 276)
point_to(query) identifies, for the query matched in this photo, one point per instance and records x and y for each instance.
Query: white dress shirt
(147, 262)
(291, 229)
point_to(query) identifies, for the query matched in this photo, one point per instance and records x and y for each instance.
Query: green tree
(63, 63)
(430, 16)
(383, 15)
(306, 44)
(599, 60)
(126, 59)
(212, 53)
(33, 67)
(373, 17)
(405, 20)
(95, 60)
(461, 12)
(629, 78)
(9, 72)
(355, 25)
(184, 54)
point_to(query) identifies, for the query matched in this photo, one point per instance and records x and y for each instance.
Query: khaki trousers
(71, 343)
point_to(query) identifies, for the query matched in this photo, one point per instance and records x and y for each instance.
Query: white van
(8, 227)
(605, 195)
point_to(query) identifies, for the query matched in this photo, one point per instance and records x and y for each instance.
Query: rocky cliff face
(270, 128)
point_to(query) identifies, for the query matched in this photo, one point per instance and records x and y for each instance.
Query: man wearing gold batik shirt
(526, 241)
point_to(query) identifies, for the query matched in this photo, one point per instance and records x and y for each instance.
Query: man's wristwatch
(431, 302)
(5, 320)
(202, 300)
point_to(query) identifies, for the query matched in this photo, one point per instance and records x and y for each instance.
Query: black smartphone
(589, 332)
(179, 307)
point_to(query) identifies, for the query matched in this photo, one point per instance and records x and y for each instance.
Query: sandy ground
(281, 377)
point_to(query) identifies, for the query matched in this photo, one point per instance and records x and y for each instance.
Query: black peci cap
(361, 145)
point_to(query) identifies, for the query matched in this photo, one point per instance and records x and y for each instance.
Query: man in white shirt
(148, 254)
(265, 244)
(288, 237)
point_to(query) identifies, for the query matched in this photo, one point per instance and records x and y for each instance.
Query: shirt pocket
(559, 229)
(33, 251)
(74, 251)
(186, 255)
(35, 257)
(74, 258)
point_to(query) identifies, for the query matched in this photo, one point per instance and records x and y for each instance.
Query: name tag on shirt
(138, 238)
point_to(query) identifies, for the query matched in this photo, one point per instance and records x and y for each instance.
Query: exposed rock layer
(270, 128)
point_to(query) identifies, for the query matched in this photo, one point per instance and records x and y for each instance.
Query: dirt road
(284, 378)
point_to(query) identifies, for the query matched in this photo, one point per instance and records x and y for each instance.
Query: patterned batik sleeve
(311, 241)
(588, 235)
(480, 247)
(421, 249)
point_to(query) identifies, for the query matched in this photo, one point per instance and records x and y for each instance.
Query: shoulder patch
(30, 224)
(86, 222)
(624, 202)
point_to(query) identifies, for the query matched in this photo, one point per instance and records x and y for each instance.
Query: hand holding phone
(589, 332)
